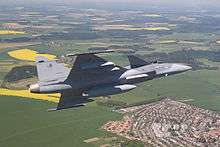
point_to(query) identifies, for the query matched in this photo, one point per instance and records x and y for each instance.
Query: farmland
(29, 55)
(28, 122)
(54, 31)
(6, 32)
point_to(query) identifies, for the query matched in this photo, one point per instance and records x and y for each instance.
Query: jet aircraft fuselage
(97, 77)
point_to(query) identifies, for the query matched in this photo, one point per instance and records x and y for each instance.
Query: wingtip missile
(86, 53)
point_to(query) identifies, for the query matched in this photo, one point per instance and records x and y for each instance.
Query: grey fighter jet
(93, 76)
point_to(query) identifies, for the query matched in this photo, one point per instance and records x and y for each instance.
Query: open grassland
(5, 67)
(24, 119)
(28, 55)
(154, 26)
(4, 55)
(15, 45)
(180, 41)
(203, 86)
(190, 36)
(3, 22)
(160, 24)
(14, 36)
(169, 47)
(62, 47)
(10, 24)
(209, 63)
(130, 28)
(26, 123)
(6, 63)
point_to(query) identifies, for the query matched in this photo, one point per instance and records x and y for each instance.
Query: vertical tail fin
(48, 71)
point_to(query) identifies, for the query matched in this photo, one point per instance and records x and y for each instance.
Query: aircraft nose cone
(181, 67)
(34, 88)
(187, 67)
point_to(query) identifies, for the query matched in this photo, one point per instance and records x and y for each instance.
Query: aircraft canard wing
(71, 99)
(95, 52)
(136, 62)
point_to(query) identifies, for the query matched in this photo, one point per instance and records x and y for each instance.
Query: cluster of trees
(17, 39)
(21, 72)
(69, 36)
(111, 103)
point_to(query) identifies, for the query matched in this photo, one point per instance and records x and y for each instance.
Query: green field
(27, 123)
(60, 30)
(12, 36)
(203, 86)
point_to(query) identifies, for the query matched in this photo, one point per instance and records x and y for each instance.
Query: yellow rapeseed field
(26, 94)
(10, 32)
(11, 24)
(148, 29)
(161, 24)
(27, 54)
(167, 41)
(156, 28)
(152, 15)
